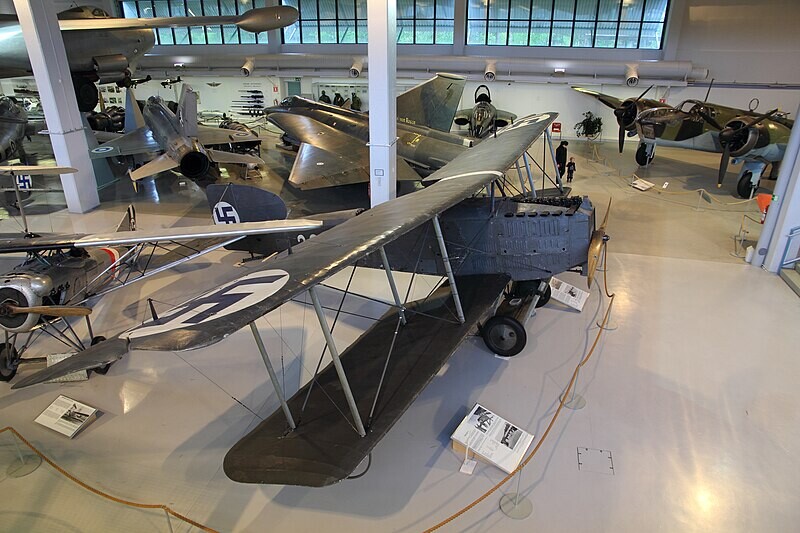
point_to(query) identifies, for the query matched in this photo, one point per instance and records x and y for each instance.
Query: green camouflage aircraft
(753, 139)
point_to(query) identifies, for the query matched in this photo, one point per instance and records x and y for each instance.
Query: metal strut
(337, 363)
(447, 268)
(393, 286)
(529, 173)
(555, 162)
(272, 376)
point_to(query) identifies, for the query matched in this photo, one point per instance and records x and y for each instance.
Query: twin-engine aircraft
(62, 273)
(752, 138)
(483, 118)
(104, 49)
(489, 247)
(176, 136)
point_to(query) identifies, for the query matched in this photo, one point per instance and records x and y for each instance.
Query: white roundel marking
(241, 134)
(213, 305)
(102, 149)
(225, 213)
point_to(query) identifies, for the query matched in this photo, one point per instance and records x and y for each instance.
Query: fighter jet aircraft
(484, 118)
(489, 247)
(333, 141)
(178, 137)
(752, 138)
(102, 49)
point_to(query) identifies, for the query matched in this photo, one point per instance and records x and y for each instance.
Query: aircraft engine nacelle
(757, 136)
(22, 290)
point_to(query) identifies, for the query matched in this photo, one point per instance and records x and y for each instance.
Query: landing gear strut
(642, 157)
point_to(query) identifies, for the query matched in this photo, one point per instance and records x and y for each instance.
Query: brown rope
(555, 415)
(102, 494)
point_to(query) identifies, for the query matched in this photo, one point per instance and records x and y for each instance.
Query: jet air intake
(194, 165)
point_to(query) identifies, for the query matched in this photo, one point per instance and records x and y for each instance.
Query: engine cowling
(626, 114)
(23, 290)
(741, 139)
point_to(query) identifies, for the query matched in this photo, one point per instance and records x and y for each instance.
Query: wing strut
(348, 393)
(450, 277)
(395, 294)
(272, 376)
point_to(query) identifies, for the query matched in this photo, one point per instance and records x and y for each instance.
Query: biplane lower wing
(324, 449)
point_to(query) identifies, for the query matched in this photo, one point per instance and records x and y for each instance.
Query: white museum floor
(694, 393)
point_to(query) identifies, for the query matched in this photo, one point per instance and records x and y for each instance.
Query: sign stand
(23, 464)
(515, 505)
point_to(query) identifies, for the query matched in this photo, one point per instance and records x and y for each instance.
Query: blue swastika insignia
(24, 182)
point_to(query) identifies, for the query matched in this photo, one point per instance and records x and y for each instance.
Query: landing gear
(102, 370)
(745, 186)
(504, 335)
(9, 361)
(642, 158)
(86, 93)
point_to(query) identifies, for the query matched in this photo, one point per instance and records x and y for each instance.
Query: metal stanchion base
(516, 506)
(21, 468)
(575, 402)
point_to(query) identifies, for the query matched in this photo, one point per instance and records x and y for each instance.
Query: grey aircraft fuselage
(424, 148)
(167, 132)
(13, 128)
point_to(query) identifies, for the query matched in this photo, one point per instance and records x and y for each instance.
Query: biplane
(61, 274)
(488, 245)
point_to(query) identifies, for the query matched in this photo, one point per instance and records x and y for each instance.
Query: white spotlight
(491, 71)
(631, 75)
(249, 66)
(356, 68)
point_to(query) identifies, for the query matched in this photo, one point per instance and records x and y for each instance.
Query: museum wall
(742, 40)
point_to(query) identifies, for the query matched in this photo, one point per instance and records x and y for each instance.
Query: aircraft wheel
(102, 370)
(745, 185)
(504, 335)
(9, 361)
(544, 297)
(641, 155)
(86, 93)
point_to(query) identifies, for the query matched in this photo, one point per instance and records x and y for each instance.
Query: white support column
(784, 212)
(54, 82)
(382, 50)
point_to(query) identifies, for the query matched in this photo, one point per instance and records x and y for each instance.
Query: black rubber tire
(641, 155)
(544, 298)
(102, 370)
(504, 335)
(744, 187)
(86, 93)
(8, 369)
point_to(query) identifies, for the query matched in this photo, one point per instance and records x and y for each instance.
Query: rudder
(433, 103)
(242, 203)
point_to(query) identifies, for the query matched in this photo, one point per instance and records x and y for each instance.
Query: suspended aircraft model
(333, 141)
(484, 117)
(752, 138)
(102, 49)
(485, 245)
(177, 136)
(62, 273)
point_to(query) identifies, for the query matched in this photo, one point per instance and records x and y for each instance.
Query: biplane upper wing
(129, 238)
(212, 316)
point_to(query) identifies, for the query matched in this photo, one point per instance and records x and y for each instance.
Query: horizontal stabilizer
(92, 357)
(219, 156)
(208, 136)
(244, 203)
(139, 141)
(161, 163)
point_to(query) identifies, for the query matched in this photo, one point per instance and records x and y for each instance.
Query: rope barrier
(554, 417)
(105, 495)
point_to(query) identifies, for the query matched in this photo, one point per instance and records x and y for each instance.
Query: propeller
(626, 114)
(49, 310)
(731, 133)
(596, 246)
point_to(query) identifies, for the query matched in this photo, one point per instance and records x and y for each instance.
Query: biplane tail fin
(232, 203)
(433, 103)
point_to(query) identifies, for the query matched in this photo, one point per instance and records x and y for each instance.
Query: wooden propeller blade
(51, 310)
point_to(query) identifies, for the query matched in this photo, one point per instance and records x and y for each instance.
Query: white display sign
(567, 294)
(67, 416)
(492, 438)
